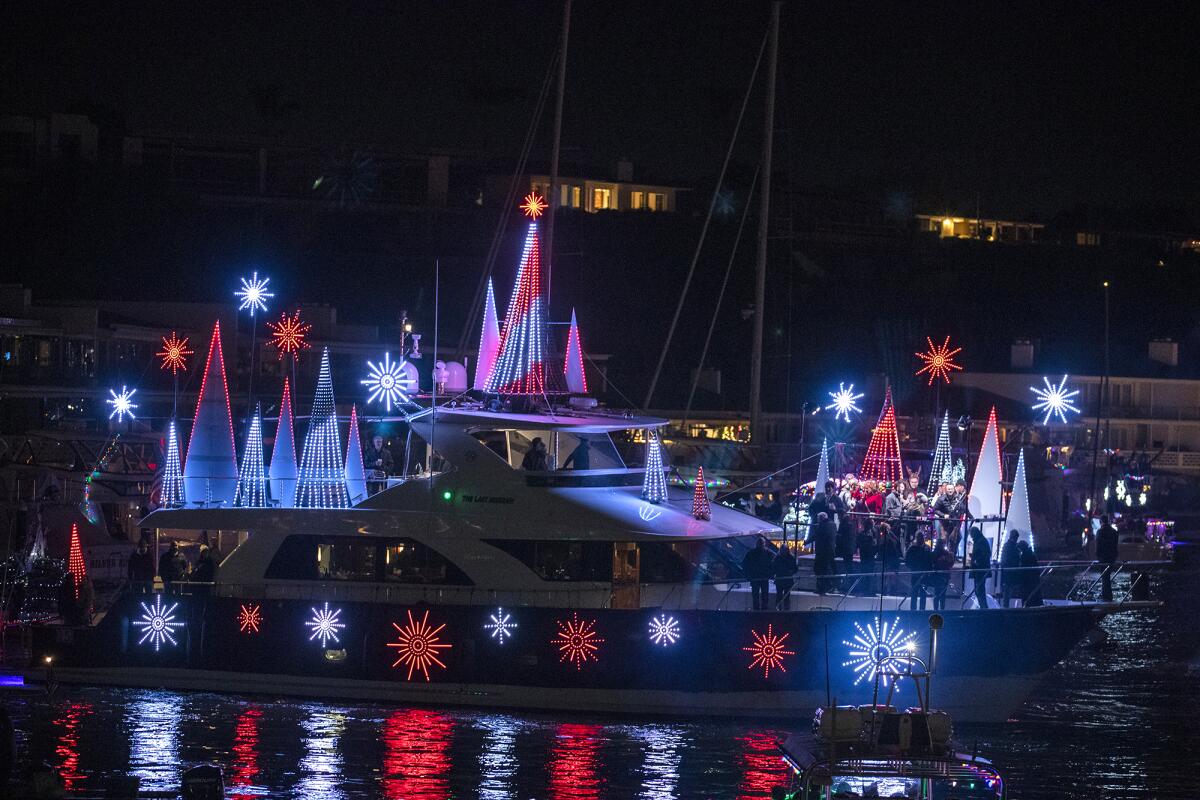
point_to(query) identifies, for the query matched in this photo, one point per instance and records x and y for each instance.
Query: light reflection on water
(1112, 722)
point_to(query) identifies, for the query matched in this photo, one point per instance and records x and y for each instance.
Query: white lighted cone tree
(654, 484)
(940, 472)
(986, 496)
(822, 468)
(322, 479)
(573, 366)
(252, 479)
(172, 482)
(489, 340)
(1018, 517)
(283, 471)
(210, 472)
(356, 475)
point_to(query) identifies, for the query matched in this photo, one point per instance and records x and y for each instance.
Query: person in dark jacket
(844, 547)
(981, 565)
(890, 553)
(535, 459)
(141, 568)
(824, 551)
(580, 457)
(785, 578)
(952, 508)
(206, 570)
(827, 503)
(172, 567)
(939, 580)
(868, 547)
(379, 462)
(1106, 554)
(919, 561)
(1011, 578)
(758, 566)
(1031, 579)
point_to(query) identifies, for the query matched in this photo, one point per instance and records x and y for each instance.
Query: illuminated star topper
(254, 294)
(1055, 400)
(288, 335)
(845, 401)
(174, 353)
(122, 403)
(534, 206)
(939, 361)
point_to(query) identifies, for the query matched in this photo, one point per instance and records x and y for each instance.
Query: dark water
(1112, 722)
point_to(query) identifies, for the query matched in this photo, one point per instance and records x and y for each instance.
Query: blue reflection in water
(153, 720)
(660, 766)
(322, 763)
(498, 757)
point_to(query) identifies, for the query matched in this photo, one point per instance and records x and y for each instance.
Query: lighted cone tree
(172, 495)
(1018, 518)
(75, 563)
(252, 479)
(882, 462)
(654, 484)
(322, 479)
(524, 365)
(822, 468)
(940, 471)
(283, 454)
(573, 366)
(700, 505)
(489, 340)
(986, 496)
(211, 470)
(356, 475)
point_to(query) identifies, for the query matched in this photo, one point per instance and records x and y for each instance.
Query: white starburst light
(325, 625)
(879, 649)
(122, 403)
(158, 624)
(388, 381)
(502, 625)
(254, 294)
(1055, 400)
(845, 401)
(664, 630)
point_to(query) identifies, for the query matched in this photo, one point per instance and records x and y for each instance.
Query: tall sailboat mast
(553, 199)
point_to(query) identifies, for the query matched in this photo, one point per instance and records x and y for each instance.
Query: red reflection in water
(762, 766)
(245, 752)
(416, 755)
(68, 743)
(573, 763)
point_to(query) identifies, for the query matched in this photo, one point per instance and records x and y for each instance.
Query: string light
(654, 484)
(322, 479)
(1018, 516)
(940, 471)
(325, 625)
(174, 353)
(172, 482)
(251, 491)
(75, 563)
(939, 361)
(356, 474)
(1055, 400)
(573, 365)
(419, 646)
(577, 641)
(254, 294)
(700, 506)
(249, 618)
(289, 334)
(664, 630)
(879, 650)
(845, 401)
(388, 381)
(501, 625)
(122, 403)
(158, 624)
(882, 462)
(768, 651)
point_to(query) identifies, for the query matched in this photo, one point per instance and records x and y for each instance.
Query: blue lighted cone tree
(654, 484)
(1018, 517)
(489, 340)
(822, 468)
(252, 478)
(283, 472)
(524, 365)
(356, 474)
(322, 480)
(172, 481)
(210, 472)
(573, 366)
(940, 471)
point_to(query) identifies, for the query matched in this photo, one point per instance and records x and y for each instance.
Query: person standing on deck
(981, 565)
(785, 578)
(757, 566)
(1010, 575)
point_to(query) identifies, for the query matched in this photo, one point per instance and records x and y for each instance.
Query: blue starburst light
(158, 624)
(389, 382)
(1055, 400)
(879, 649)
(254, 294)
(845, 401)
(122, 403)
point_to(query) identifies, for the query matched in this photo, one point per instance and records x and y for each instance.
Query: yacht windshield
(559, 450)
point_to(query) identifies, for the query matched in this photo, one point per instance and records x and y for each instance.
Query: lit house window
(637, 200)
(657, 201)
(576, 192)
(601, 198)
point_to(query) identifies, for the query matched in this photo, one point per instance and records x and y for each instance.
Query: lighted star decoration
(325, 625)
(174, 353)
(250, 618)
(845, 401)
(419, 645)
(387, 381)
(288, 335)
(254, 294)
(122, 403)
(158, 624)
(501, 625)
(577, 641)
(879, 649)
(664, 630)
(1055, 400)
(768, 651)
(534, 206)
(939, 361)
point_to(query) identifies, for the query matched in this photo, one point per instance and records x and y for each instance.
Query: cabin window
(343, 560)
(562, 560)
(561, 444)
(349, 558)
(412, 562)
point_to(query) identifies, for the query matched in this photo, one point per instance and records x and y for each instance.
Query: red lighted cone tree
(75, 563)
(882, 462)
(700, 506)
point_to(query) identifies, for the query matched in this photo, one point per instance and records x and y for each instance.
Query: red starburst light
(250, 618)
(534, 206)
(419, 645)
(577, 641)
(288, 335)
(768, 651)
(174, 353)
(939, 360)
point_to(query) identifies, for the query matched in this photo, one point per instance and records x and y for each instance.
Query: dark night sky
(1029, 107)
